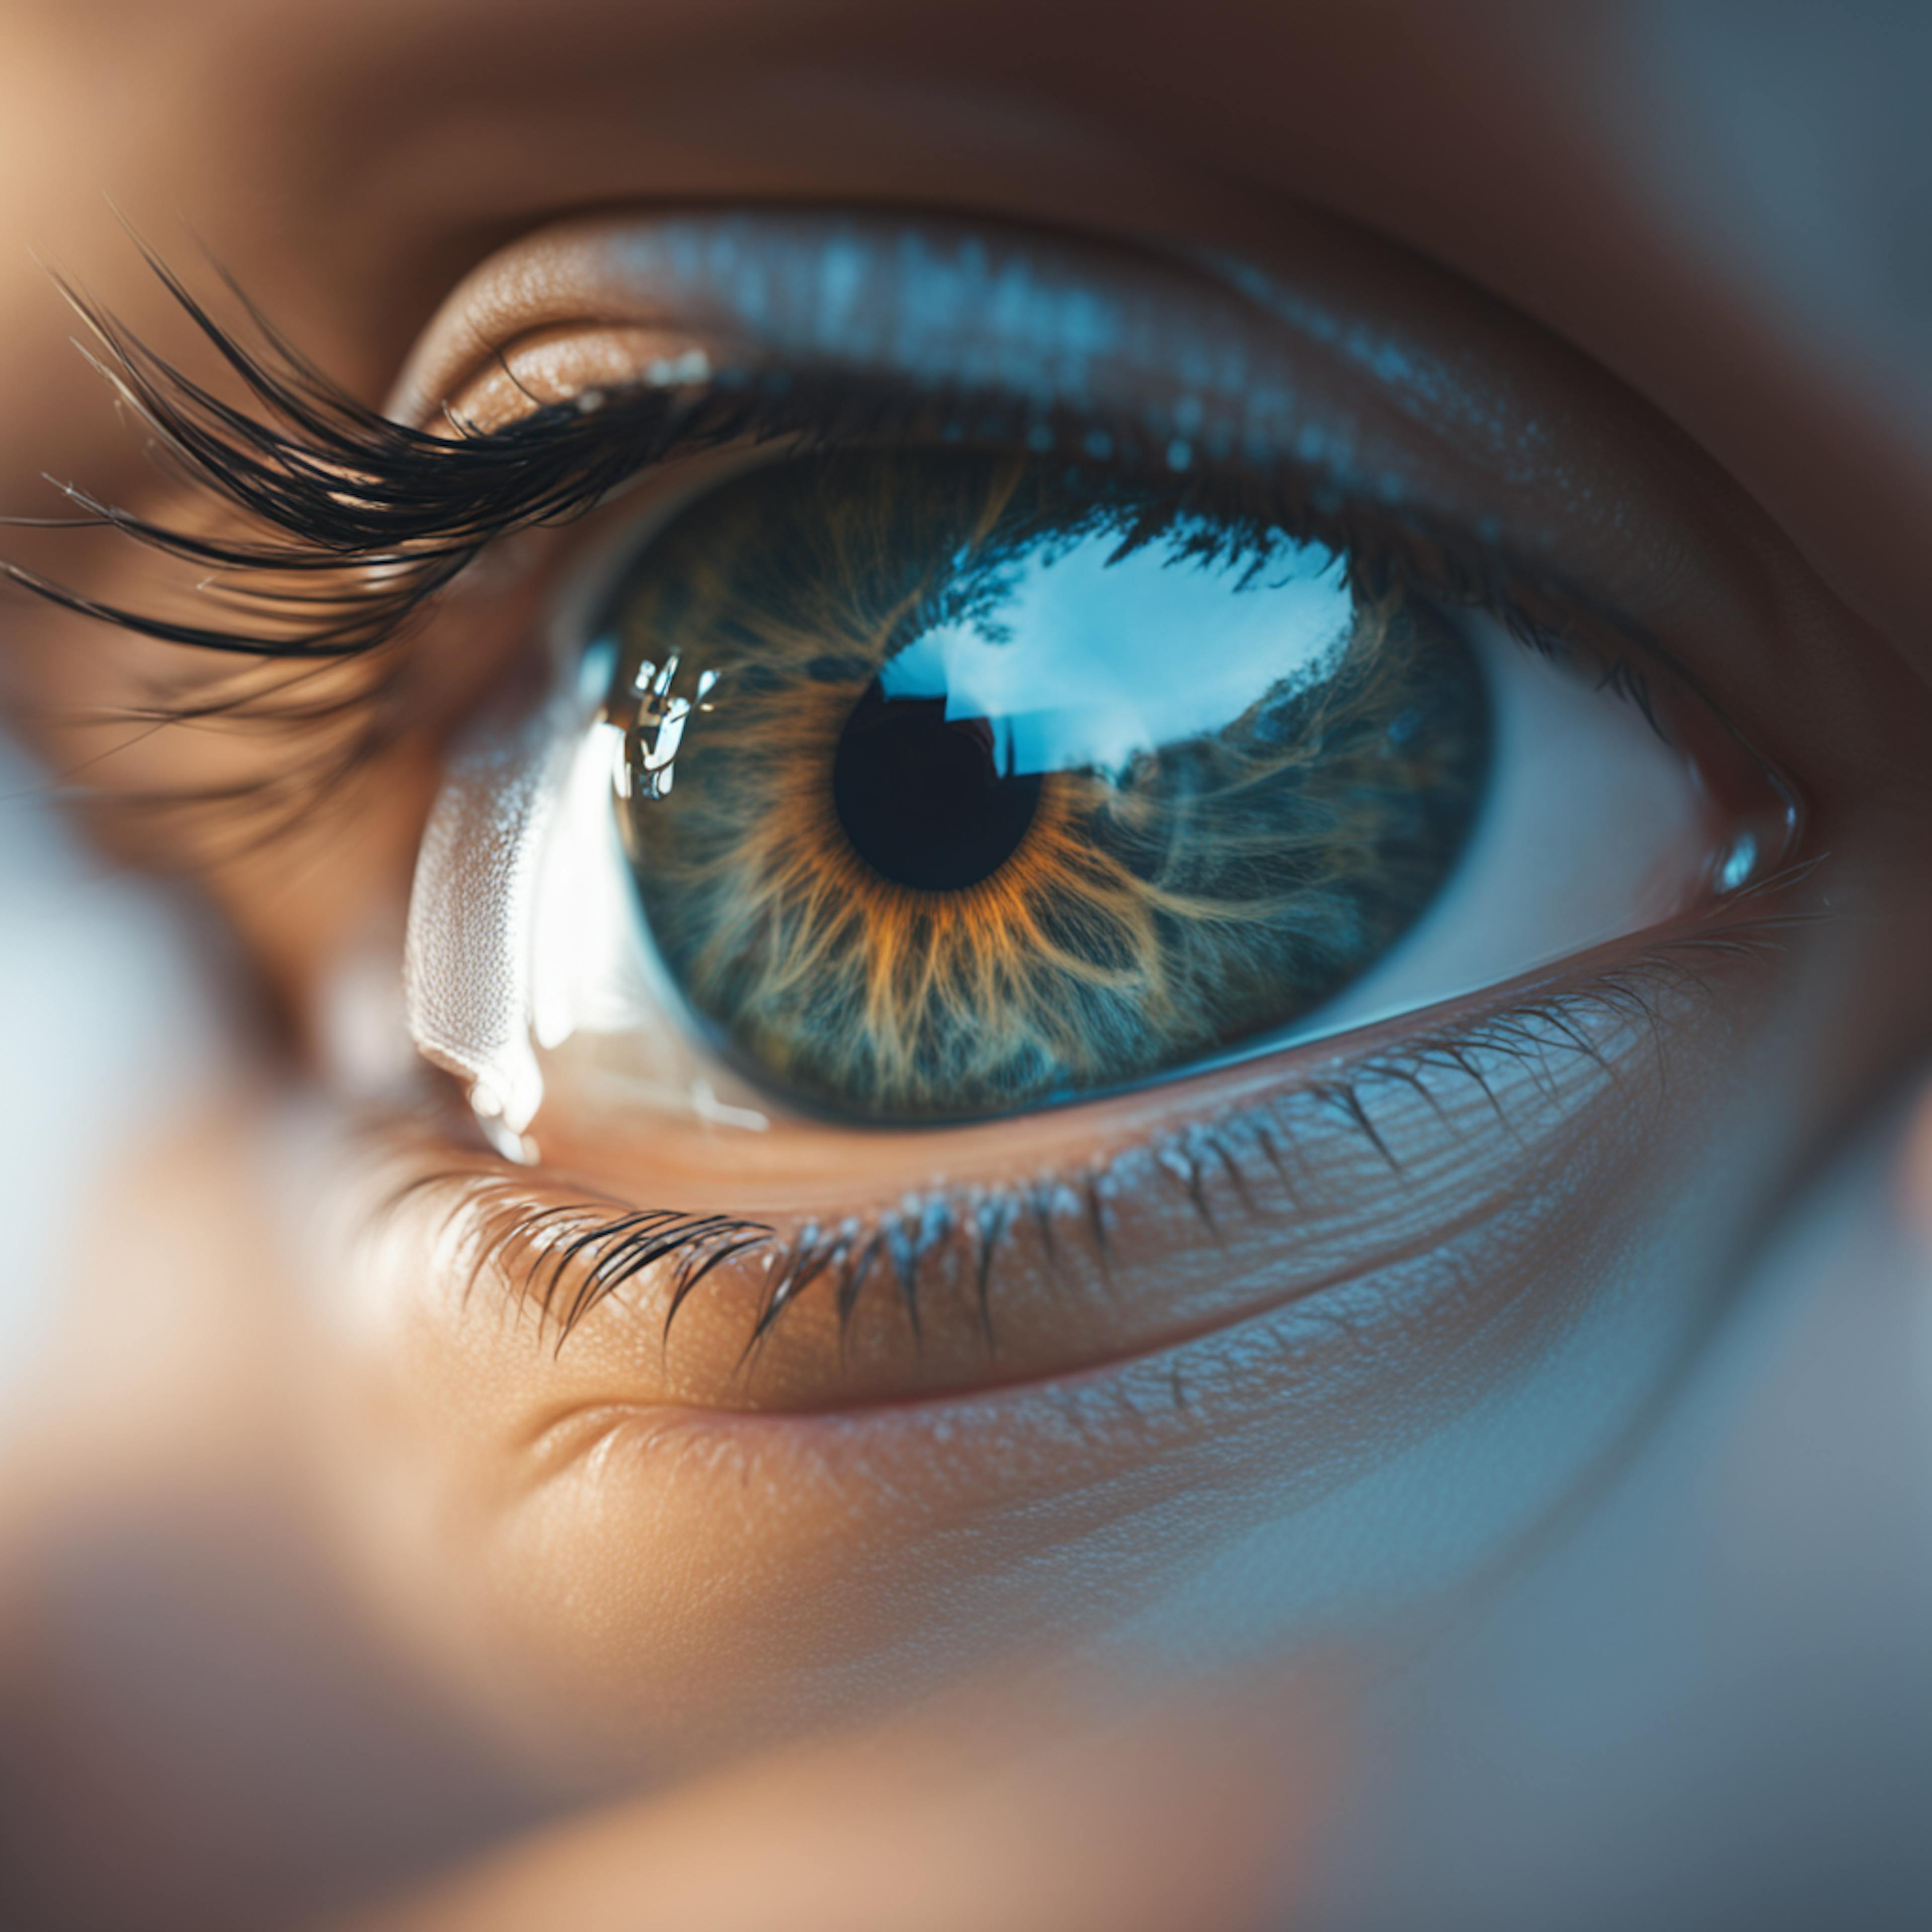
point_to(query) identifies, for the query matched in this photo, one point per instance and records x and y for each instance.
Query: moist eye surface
(956, 783)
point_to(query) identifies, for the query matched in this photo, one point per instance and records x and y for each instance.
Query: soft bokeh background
(1712, 1704)
(108, 1033)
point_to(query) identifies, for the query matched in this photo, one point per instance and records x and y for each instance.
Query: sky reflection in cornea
(1090, 659)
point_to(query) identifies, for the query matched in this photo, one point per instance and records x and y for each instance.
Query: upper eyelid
(424, 505)
(1616, 539)
(430, 502)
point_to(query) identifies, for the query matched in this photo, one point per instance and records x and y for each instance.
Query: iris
(957, 783)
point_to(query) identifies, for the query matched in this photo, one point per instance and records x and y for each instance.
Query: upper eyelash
(365, 520)
(393, 513)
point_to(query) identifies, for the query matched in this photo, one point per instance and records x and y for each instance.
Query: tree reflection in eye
(1012, 784)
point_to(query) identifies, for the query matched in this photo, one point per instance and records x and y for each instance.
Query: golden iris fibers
(957, 783)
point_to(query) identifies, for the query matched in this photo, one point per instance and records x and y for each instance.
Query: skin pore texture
(1312, 1383)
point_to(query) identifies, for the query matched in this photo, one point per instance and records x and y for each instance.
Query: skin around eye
(1255, 1312)
(619, 1566)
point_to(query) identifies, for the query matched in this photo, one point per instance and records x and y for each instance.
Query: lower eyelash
(563, 1259)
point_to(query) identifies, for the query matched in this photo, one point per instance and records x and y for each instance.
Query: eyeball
(905, 787)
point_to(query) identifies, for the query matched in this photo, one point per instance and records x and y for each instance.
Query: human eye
(997, 812)
(1078, 885)
(1008, 779)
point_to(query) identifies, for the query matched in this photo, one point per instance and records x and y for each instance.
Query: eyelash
(562, 1259)
(366, 521)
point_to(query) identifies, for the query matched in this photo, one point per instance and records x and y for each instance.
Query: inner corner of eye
(948, 784)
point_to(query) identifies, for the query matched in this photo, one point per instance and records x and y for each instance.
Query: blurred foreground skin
(1705, 1700)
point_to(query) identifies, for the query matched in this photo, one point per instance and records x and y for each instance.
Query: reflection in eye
(961, 782)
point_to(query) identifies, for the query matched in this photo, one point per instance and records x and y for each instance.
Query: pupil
(920, 797)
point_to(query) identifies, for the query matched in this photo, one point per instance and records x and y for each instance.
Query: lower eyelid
(925, 1508)
(1279, 1187)
(1434, 1397)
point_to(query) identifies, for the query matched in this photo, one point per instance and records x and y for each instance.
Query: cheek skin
(1208, 1809)
(624, 1579)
